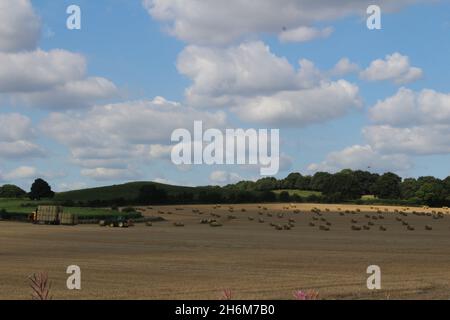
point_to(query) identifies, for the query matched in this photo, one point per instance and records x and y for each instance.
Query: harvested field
(254, 260)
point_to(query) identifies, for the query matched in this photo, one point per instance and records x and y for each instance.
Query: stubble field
(246, 255)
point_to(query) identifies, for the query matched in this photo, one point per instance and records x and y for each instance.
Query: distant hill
(127, 191)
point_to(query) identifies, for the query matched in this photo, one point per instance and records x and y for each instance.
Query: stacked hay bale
(49, 214)
(68, 219)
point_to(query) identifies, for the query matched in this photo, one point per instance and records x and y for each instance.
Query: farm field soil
(251, 258)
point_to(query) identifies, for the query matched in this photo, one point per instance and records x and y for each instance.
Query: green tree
(40, 189)
(408, 188)
(319, 180)
(342, 185)
(284, 196)
(387, 186)
(365, 180)
(150, 194)
(431, 191)
(11, 191)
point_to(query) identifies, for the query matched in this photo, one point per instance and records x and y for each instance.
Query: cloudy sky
(97, 106)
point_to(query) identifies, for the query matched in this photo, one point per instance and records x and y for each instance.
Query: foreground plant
(227, 294)
(308, 295)
(40, 286)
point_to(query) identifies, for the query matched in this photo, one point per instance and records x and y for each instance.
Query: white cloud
(71, 95)
(48, 79)
(343, 67)
(16, 135)
(303, 34)
(359, 157)
(39, 70)
(247, 69)
(274, 94)
(104, 174)
(411, 122)
(24, 172)
(418, 140)
(71, 186)
(20, 27)
(20, 149)
(407, 107)
(158, 151)
(395, 67)
(303, 107)
(224, 177)
(116, 136)
(222, 22)
(14, 126)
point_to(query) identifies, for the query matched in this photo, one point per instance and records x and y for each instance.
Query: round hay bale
(215, 224)
(149, 224)
(428, 227)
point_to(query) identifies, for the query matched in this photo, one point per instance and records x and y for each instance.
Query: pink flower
(308, 295)
(226, 294)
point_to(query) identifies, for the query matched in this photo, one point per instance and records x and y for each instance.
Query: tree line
(346, 185)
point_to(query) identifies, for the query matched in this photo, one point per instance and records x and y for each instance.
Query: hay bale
(178, 224)
(356, 228)
(312, 224)
(366, 227)
(251, 218)
(215, 224)
(324, 228)
(428, 227)
(148, 224)
(383, 228)
(261, 220)
(102, 223)
(410, 228)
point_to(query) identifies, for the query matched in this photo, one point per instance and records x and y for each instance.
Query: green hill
(127, 191)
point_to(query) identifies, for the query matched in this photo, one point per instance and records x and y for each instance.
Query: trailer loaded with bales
(53, 215)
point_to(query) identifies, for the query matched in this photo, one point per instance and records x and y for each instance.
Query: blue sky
(96, 121)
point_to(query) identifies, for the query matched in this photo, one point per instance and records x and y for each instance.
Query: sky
(97, 106)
